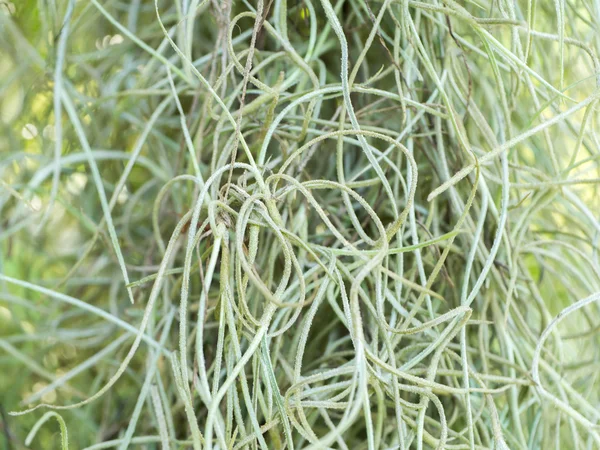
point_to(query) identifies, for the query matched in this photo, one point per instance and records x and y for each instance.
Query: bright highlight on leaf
(29, 131)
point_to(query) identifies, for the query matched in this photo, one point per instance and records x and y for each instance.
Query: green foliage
(299, 225)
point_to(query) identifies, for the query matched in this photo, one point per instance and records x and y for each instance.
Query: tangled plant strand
(300, 225)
